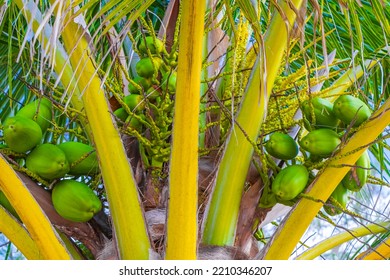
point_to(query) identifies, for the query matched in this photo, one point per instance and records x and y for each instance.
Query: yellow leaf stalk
(183, 199)
(126, 212)
(18, 235)
(295, 224)
(381, 252)
(221, 216)
(337, 240)
(74, 251)
(38, 225)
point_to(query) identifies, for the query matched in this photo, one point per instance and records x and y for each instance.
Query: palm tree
(181, 115)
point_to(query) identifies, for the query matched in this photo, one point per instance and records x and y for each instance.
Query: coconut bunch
(326, 123)
(58, 164)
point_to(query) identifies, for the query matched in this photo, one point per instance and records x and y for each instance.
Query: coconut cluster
(59, 164)
(326, 123)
